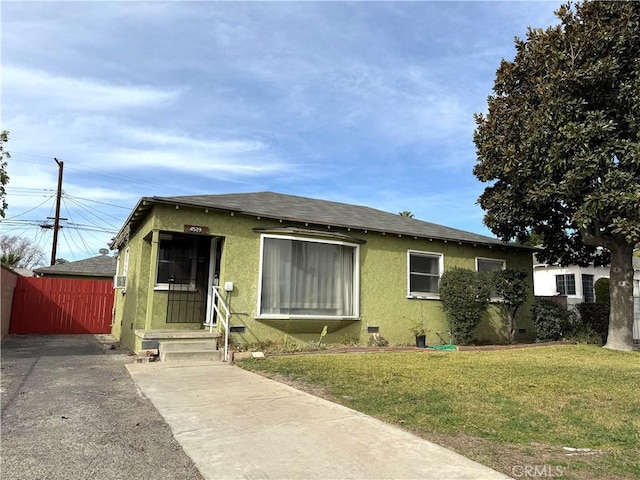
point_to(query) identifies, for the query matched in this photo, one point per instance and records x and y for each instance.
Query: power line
(30, 210)
(88, 170)
(96, 201)
(34, 222)
(72, 223)
(41, 238)
(90, 211)
(13, 152)
(69, 244)
(43, 225)
(30, 189)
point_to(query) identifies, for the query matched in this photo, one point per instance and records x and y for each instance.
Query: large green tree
(560, 146)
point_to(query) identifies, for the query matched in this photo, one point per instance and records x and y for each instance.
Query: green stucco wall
(383, 283)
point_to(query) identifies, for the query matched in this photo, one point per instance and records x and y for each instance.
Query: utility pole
(56, 220)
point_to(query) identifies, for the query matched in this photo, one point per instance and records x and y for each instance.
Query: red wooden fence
(61, 305)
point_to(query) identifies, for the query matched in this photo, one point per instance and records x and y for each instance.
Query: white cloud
(101, 194)
(105, 134)
(189, 161)
(79, 94)
(372, 101)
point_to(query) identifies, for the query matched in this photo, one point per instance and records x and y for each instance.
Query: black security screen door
(186, 260)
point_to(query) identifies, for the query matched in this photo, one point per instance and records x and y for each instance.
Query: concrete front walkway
(236, 424)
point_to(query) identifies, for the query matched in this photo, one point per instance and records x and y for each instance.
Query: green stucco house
(285, 265)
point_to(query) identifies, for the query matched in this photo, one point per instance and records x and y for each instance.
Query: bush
(465, 298)
(511, 285)
(349, 341)
(595, 316)
(285, 345)
(583, 334)
(601, 288)
(377, 340)
(551, 321)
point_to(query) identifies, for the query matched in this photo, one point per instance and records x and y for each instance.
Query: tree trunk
(621, 282)
(512, 327)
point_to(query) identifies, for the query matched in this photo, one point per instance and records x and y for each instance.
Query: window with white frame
(566, 284)
(588, 292)
(485, 265)
(488, 265)
(424, 270)
(302, 277)
(177, 258)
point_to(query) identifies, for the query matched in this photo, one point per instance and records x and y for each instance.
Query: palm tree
(406, 213)
(10, 260)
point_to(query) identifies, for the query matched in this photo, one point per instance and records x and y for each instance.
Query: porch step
(176, 334)
(189, 350)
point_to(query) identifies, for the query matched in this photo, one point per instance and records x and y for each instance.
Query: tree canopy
(20, 252)
(560, 145)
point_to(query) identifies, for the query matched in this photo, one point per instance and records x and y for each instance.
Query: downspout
(153, 268)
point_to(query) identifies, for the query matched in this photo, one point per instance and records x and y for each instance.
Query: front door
(186, 259)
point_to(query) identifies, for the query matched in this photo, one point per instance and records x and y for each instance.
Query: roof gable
(100, 266)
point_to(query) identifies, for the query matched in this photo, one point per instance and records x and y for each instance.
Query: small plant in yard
(348, 341)
(322, 334)
(377, 340)
(318, 345)
(417, 328)
(313, 346)
(269, 346)
(233, 343)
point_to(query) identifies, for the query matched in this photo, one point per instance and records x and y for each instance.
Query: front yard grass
(506, 409)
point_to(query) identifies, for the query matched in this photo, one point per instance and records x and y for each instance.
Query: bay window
(303, 277)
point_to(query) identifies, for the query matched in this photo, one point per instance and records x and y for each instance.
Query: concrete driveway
(71, 411)
(238, 425)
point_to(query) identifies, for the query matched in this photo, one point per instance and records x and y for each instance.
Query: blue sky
(368, 103)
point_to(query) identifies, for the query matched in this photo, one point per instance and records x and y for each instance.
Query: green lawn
(503, 408)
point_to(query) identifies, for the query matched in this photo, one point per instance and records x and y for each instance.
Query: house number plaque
(196, 229)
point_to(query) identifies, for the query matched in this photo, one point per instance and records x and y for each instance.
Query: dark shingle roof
(100, 266)
(325, 213)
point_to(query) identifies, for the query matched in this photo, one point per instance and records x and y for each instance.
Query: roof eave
(497, 244)
(135, 214)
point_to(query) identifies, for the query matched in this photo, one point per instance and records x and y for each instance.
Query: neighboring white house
(577, 284)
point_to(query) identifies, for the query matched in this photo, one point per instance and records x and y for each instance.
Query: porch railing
(222, 313)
